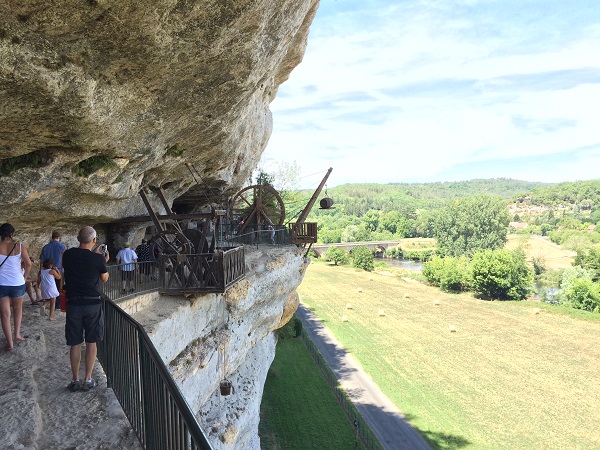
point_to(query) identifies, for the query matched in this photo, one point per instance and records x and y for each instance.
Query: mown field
(508, 378)
(553, 256)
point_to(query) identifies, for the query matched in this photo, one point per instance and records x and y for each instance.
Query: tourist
(144, 254)
(271, 233)
(47, 281)
(12, 282)
(54, 250)
(127, 258)
(83, 270)
(31, 285)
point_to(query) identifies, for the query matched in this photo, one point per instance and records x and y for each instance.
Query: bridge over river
(348, 246)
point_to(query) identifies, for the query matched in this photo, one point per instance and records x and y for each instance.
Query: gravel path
(384, 418)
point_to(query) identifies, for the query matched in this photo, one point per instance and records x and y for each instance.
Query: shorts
(13, 292)
(127, 275)
(84, 319)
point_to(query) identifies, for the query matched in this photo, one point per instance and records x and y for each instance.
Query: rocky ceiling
(102, 98)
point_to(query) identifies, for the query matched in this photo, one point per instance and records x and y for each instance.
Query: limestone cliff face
(210, 338)
(103, 97)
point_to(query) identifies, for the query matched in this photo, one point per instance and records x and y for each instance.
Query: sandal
(89, 384)
(74, 385)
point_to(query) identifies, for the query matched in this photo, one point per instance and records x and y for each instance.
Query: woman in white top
(12, 282)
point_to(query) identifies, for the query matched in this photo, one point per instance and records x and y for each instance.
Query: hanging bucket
(226, 388)
(326, 203)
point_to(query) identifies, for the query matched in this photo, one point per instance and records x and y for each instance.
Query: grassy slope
(508, 378)
(299, 410)
(553, 255)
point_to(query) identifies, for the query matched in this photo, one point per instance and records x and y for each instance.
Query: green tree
(471, 224)
(263, 178)
(330, 236)
(584, 294)
(546, 228)
(450, 274)
(336, 255)
(589, 259)
(362, 258)
(371, 220)
(501, 274)
(355, 233)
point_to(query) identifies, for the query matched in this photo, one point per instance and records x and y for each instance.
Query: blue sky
(444, 90)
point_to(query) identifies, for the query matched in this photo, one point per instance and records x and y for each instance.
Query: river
(402, 263)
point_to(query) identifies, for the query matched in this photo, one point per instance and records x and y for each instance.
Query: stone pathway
(38, 412)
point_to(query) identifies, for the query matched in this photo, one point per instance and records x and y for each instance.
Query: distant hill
(361, 197)
(584, 193)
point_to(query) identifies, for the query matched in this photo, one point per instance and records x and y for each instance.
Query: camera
(103, 248)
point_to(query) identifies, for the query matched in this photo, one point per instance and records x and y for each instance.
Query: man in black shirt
(84, 269)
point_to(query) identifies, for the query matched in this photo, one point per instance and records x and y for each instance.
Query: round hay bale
(359, 289)
(452, 328)
(537, 310)
(436, 303)
(344, 318)
(406, 296)
(381, 313)
(370, 278)
(348, 305)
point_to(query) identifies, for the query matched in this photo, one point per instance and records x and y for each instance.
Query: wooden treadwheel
(257, 206)
(171, 242)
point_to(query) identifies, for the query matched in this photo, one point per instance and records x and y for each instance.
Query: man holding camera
(84, 268)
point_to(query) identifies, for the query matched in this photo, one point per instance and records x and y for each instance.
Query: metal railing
(156, 409)
(127, 279)
(176, 274)
(204, 272)
(255, 235)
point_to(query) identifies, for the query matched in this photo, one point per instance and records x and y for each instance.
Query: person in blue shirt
(54, 250)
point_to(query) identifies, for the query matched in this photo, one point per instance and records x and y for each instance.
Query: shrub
(502, 274)
(450, 274)
(362, 258)
(539, 265)
(33, 160)
(90, 165)
(175, 151)
(336, 255)
(584, 294)
(455, 275)
(433, 270)
(297, 327)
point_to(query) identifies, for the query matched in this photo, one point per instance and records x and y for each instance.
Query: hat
(56, 234)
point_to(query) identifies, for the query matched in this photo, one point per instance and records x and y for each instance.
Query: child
(48, 273)
(31, 285)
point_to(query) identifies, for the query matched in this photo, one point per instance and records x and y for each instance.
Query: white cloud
(405, 94)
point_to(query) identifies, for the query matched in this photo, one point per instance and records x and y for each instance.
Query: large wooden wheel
(257, 206)
(171, 242)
